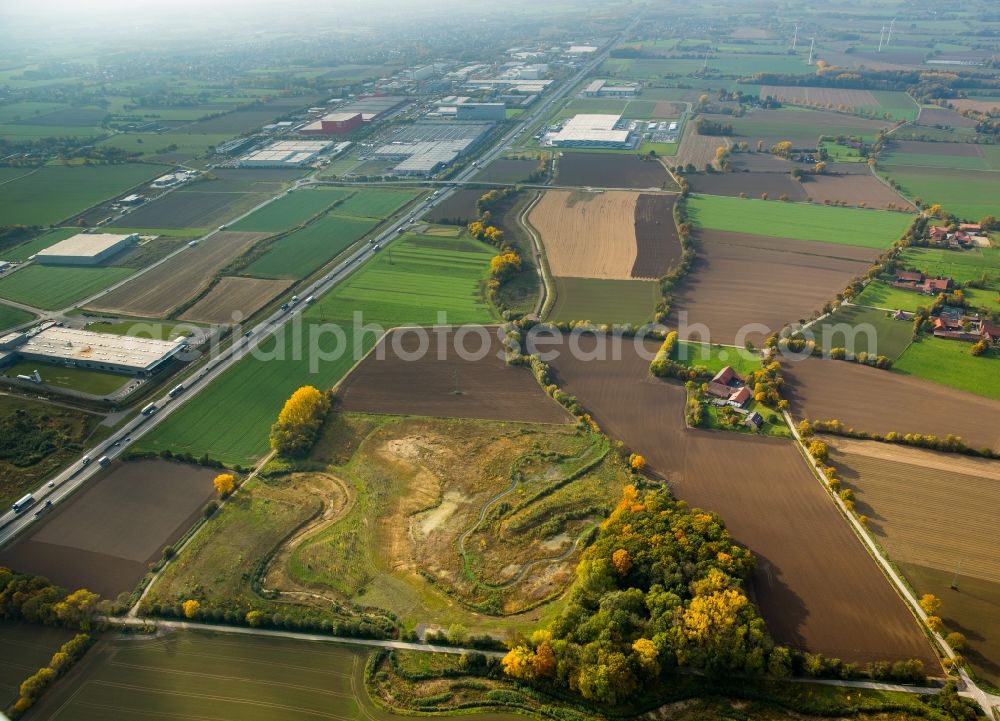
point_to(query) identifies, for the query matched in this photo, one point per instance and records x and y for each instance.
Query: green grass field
(85, 380)
(848, 327)
(291, 210)
(604, 301)
(411, 281)
(715, 357)
(961, 266)
(57, 192)
(375, 203)
(951, 363)
(10, 317)
(54, 287)
(799, 221)
(155, 143)
(899, 104)
(879, 294)
(298, 254)
(968, 194)
(927, 160)
(795, 122)
(425, 275)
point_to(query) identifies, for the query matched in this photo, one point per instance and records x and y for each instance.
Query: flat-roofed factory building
(591, 131)
(86, 249)
(101, 351)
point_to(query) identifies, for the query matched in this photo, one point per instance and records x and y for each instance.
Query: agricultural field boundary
(985, 700)
(544, 305)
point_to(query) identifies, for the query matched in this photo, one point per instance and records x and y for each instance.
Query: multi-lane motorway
(65, 483)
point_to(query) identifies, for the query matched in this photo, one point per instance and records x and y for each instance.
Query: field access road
(60, 487)
(300, 636)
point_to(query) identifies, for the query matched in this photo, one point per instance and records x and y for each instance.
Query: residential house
(754, 420)
(730, 387)
(918, 282)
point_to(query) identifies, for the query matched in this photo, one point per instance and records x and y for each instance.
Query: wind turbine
(812, 45)
(795, 38)
(889, 37)
(881, 38)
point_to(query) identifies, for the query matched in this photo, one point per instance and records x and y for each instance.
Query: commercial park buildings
(85, 349)
(591, 131)
(425, 147)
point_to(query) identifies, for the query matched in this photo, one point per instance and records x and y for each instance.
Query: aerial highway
(62, 485)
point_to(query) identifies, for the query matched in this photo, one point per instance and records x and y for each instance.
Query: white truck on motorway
(149, 409)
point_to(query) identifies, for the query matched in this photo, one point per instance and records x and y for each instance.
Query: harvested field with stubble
(732, 283)
(944, 117)
(231, 295)
(183, 276)
(816, 585)
(609, 170)
(388, 381)
(202, 208)
(696, 149)
(878, 401)
(587, 235)
(117, 525)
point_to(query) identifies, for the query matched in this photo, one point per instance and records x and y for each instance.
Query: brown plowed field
(878, 401)
(753, 184)
(902, 491)
(609, 170)
(981, 106)
(243, 296)
(444, 384)
(816, 586)
(853, 190)
(587, 235)
(106, 536)
(735, 281)
(154, 294)
(697, 149)
(666, 109)
(793, 94)
(945, 117)
(657, 244)
(760, 163)
(460, 206)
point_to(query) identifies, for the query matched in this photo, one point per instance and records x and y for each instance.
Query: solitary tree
(190, 607)
(224, 484)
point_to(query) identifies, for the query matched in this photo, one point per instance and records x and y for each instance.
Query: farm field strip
(291, 210)
(875, 229)
(604, 301)
(950, 363)
(837, 390)
(610, 170)
(234, 299)
(177, 279)
(303, 251)
(902, 489)
(968, 194)
(55, 287)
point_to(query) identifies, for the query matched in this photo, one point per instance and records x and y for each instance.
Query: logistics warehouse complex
(86, 349)
(592, 131)
(85, 249)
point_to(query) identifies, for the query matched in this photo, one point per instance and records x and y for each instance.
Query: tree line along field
(53, 287)
(843, 607)
(876, 229)
(408, 282)
(900, 490)
(56, 192)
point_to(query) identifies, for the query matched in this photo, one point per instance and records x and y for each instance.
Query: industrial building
(334, 124)
(85, 249)
(285, 154)
(601, 89)
(424, 148)
(481, 111)
(100, 351)
(591, 131)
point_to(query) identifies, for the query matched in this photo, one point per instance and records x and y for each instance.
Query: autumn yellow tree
(935, 624)
(636, 462)
(930, 603)
(190, 607)
(492, 234)
(224, 484)
(622, 561)
(504, 265)
(299, 421)
(77, 608)
(782, 148)
(519, 663)
(935, 210)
